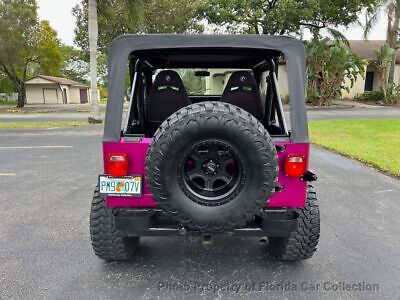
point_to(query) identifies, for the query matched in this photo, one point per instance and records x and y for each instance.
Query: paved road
(353, 113)
(313, 114)
(45, 250)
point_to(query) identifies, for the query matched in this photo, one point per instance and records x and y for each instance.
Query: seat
(242, 91)
(166, 96)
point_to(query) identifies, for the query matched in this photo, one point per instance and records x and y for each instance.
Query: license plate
(120, 186)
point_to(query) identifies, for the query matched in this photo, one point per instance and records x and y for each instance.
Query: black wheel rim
(211, 172)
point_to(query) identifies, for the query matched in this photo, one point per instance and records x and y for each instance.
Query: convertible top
(269, 46)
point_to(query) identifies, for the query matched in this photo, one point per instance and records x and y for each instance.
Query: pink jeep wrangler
(204, 148)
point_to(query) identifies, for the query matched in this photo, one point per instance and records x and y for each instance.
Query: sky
(59, 14)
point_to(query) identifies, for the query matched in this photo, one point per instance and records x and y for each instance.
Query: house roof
(366, 48)
(59, 80)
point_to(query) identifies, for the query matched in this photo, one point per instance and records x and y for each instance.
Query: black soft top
(240, 48)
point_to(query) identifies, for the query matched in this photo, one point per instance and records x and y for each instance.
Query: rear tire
(203, 136)
(107, 242)
(302, 243)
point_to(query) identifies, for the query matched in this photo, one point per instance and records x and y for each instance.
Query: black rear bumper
(153, 222)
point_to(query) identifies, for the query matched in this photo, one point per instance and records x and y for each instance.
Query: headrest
(241, 78)
(168, 78)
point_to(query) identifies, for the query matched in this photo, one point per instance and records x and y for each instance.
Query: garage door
(50, 96)
(83, 93)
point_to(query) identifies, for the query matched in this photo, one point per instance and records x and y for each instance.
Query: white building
(55, 90)
(370, 82)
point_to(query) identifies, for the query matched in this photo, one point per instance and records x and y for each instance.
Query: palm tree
(93, 34)
(392, 32)
(393, 11)
(384, 57)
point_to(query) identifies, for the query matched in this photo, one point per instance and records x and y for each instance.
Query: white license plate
(120, 186)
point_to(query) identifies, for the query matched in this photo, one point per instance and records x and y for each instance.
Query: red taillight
(117, 164)
(295, 165)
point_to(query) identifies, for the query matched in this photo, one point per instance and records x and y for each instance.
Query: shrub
(374, 96)
(392, 95)
(331, 65)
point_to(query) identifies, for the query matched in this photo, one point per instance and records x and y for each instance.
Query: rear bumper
(153, 222)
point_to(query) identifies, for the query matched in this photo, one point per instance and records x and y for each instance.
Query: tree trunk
(315, 33)
(392, 34)
(19, 86)
(21, 95)
(382, 79)
(93, 34)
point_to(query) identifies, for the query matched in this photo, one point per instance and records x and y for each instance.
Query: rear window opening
(205, 81)
(162, 83)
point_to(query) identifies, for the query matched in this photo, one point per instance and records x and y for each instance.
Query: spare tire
(211, 166)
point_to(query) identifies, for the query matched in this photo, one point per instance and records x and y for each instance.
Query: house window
(369, 81)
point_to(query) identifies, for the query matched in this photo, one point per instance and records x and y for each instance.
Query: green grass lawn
(8, 103)
(373, 141)
(43, 124)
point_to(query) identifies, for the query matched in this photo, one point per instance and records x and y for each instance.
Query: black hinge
(278, 188)
(280, 148)
(309, 176)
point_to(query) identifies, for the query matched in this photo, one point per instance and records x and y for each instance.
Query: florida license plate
(120, 186)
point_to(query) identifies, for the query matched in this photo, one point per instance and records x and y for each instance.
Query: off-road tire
(108, 243)
(224, 122)
(302, 243)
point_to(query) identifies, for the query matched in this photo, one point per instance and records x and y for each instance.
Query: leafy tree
(117, 17)
(77, 68)
(331, 14)
(284, 16)
(27, 45)
(111, 16)
(168, 16)
(330, 67)
(259, 16)
(6, 85)
(48, 53)
(74, 67)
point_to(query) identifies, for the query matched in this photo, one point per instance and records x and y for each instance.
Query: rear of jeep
(204, 148)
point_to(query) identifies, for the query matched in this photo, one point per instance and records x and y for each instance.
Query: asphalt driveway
(47, 177)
